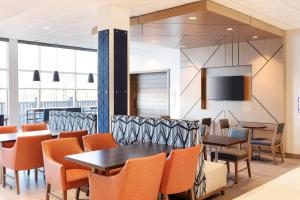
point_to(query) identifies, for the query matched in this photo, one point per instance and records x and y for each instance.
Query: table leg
(216, 154)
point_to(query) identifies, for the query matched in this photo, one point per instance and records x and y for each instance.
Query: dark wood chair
(224, 125)
(236, 154)
(273, 143)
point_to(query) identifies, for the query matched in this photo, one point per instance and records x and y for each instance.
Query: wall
(265, 57)
(293, 91)
(149, 58)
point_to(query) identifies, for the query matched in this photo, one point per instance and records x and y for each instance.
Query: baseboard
(292, 155)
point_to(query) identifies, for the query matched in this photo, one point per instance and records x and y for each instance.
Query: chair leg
(28, 172)
(77, 193)
(236, 171)
(65, 195)
(4, 176)
(223, 192)
(17, 182)
(281, 152)
(228, 167)
(205, 152)
(48, 188)
(258, 148)
(192, 194)
(248, 167)
(35, 174)
(274, 154)
(165, 197)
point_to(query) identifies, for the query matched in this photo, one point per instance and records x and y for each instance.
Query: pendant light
(36, 73)
(91, 78)
(56, 73)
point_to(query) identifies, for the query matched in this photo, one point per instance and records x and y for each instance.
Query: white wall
(149, 58)
(293, 91)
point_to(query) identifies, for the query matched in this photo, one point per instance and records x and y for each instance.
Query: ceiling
(284, 14)
(67, 22)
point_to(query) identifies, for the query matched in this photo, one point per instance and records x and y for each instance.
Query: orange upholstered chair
(25, 154)
(34, 127)
(180, 171)
(138, 180)
(76, 134)
(60, 173)
(99, 141)
(8, 129)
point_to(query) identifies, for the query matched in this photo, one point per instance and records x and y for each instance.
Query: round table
(253, 126)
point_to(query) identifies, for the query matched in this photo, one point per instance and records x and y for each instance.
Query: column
(13, 105)
(112, 64)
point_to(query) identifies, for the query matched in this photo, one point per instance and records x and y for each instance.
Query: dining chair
(139, 179)
(34, 127)
(60, 173)
(24, 155)
(8, 129)
(77, 134)
(99, 141)
(224, 125)
(180, 172)
(207, 122)
(237, 154)
(273, 143)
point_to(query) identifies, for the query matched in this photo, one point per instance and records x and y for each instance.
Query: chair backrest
(277, 136)
(224, 124)
(99, 141)
(8, 129)
(202, 130)
(206, 121)
(57, 149)
(29, 151)
(243, 133)
(76, 134)
(34, 127)
(180, 170)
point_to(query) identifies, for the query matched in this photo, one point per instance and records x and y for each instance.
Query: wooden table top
(108, 159)
(9, 137)
(223, 141)
(253, 125)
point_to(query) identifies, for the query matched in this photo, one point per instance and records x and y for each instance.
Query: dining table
(252, 127)
(12, 137)
(221, 141)
(108, 159)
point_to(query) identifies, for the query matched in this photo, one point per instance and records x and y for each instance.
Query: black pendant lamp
(56, 76)
(36, 75)
(91, 78)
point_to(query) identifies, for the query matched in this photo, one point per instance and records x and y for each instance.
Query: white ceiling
(70, 21)
(284, 14)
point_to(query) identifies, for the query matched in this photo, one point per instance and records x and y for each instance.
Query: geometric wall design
(266, 59)
(103, 81)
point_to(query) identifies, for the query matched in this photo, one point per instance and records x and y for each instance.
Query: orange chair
(139, 179)
(76, 134)
(34, 127)
(25, 154)
(99, 142)
(8, 129)
(180, 171)
(61, 173)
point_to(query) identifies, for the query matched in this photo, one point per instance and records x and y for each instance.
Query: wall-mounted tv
(230, 88)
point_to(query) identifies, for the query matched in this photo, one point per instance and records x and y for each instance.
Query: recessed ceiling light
(192, 18)
(254, 36)
(46, 27)
(229, 29)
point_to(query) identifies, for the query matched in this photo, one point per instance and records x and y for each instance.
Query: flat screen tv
(230, 88)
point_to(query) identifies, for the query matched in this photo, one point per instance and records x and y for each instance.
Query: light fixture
(192, 18)
(36, 75)
(91, 78)
(229, 29)
(255, 36)
(56, 76)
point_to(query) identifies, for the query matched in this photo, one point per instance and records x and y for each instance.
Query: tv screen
(229, 88)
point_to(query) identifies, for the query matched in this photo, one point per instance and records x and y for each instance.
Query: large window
(3, 77)
(73, 66)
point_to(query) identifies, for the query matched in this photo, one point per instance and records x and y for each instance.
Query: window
(3, 77)
(73, 67)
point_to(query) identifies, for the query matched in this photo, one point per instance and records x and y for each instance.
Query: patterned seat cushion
(231, 154)
(263, 141)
